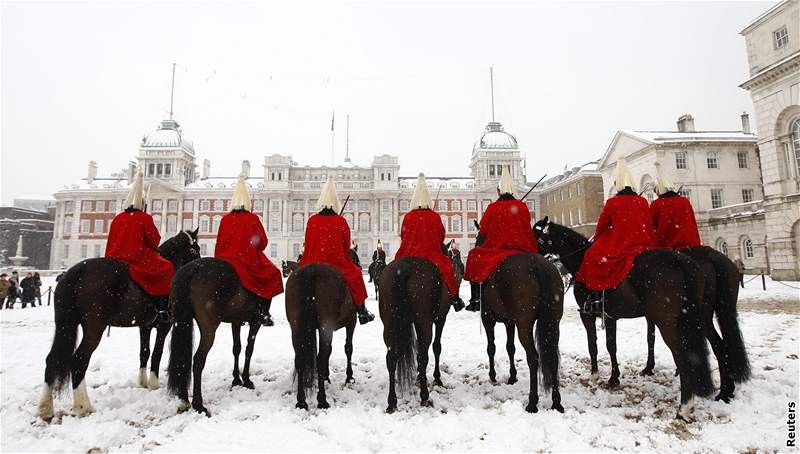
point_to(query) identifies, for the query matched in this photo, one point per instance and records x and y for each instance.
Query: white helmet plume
(506, 185)
(241, 199)
(663, 185)
(421, 198)
(136, 196)
(624, 177)
(328, 198)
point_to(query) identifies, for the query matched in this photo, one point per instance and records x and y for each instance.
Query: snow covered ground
(469, 413)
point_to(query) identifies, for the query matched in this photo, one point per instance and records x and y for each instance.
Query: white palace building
(181, 196)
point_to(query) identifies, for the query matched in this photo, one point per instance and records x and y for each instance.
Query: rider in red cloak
(422, 235)
(240, 242)
(505, 230)
(623, 230)
(328, 242)
(673, 216)
(133, 238)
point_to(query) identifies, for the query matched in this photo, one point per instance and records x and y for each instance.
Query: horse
(524, 290)
(97, 293)
(375, 270)
(720, 296)
(414, 298)
(287, 266)
(317, 299)
(208, 291)
(663, 286)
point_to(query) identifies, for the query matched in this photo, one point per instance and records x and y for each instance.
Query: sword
(533, 187)
(344, 204)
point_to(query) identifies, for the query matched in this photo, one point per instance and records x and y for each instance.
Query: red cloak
(240, 242)
(624, 229)
(133, 239)
(674, 222)
(328, 242)
(506, 229)
(422, 236)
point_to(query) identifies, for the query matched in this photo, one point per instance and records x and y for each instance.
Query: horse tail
(305, 360)
(180, 356)
(727, 317)
(404, 339)
(67, 319)
(547, 322)
(694, 351)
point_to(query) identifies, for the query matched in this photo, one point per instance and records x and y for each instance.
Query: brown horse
(663, 286)
(317, 299)
(414, 298)
(720, 296)
(208, 291)
(97, 293)
(524, 290)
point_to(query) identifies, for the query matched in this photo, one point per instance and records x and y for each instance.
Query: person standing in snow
(133, 239)
(28, 286)
(4, 285)
(624, 229)
(37, 280)
(673, 218)
(422, 235)
(328, 241)
(241, 242)
(505, 230)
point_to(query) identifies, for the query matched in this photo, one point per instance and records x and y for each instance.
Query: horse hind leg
(80, 362)
(248, 354)
(155, 360)
(611, 346)
(591, 339)
(511, 349)
(324, 355)
(424, 335)
(437, 351)
(237, 349)
(207, 335)
(144, 354)
(488, 324)
(348, 351)
(651, 342)
(726, 383)
(525, 333)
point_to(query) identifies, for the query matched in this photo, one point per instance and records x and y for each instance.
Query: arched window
(722, 246)
(747, 248)
(796, 143)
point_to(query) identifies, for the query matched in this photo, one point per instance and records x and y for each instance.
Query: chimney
(246, 168)
(131, 171)
(206, 169)
(92, 172)
(746, 123)
(686, 123)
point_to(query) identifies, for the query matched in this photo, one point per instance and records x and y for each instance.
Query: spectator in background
(15, 279)
(11, 296)
(4, 285)
(37, 282)
(28, 291)
(740, 266)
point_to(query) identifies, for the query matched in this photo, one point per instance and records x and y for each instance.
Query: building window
(275, 205)
(680, 160)
(389, 176)
(84, 251)
(685, 192)
(274, 222)
(456, 205)
(159, 169)
(100, 205)
(456, 223)
(188, 205)
(98, 226)
(711, 160)
(485, 205)
(386, 224)
(298, 205)
(780, 37)
(716, 198)
(258, 205)
(68, 206)
(569, 192)
(66, 252)
(172, 224)
(747, 249)
(86, 206)
(167, 170)
(442, 205)
(472, 205)
(97, 250)
(205, 205)
(742, 157)
(578, 189)
(570, 218)
(470, 225)
(172, 206)
(85, 225)
(561, 194)
(67, 226)
(348, 217)
(796, 144)
(157, 205)
(404, 205)
(151, 169)
(215, 223)
(203, 249)
(747, 195)
(297, 223)
(187, 224)
(295, 250)
(386, 205)
(273, 250)
(363, 222)
(112, 206)
(491, 170)
(157, 222)
(219, 205)
(531, 205)
(580, 216)
(205, 225)
(363, 205)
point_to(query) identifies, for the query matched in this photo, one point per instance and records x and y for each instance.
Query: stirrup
(365, 317)
(163, 316)
(593, 308)
(457, 303)
(474, 305)
(266, 320)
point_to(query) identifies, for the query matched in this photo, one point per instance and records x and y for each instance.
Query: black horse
(663, 286)
(317, 299)
(524, 290)
(375, 270)
(413, 300)
(287, 266)
(97, 293)
(720, 296)
(208, 291)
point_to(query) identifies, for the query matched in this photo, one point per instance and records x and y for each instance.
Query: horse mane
(570, 234)
(170, 249)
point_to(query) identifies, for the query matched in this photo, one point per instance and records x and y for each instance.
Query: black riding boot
(263, 310)
(457, 303)
(593, 305)
(475, 297)
(163, 309)
(364, 316)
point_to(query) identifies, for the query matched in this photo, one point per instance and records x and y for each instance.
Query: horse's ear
(194, 234)
(546, 220)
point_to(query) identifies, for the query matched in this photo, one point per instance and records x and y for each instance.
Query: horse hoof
(680, 417)
(492, 379)
(391, 409)
(437, 382)
(143, 377)
(427, 403)
(328, 379)
(647, 371)
(248, 384)
(302, 406)
(558, 407)
(512, 380)
(152, 383)
(183, 407)
(236, 382)
(531, 408)
(349, 380)
(725, 397)
(323, 405)
(613, 382)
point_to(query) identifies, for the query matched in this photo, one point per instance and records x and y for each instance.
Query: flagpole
(333, 157)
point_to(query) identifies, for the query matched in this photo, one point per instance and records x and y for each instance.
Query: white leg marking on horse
(686, 409)
(143, 377)
(153, 383)
(81, 406)
(45, 408)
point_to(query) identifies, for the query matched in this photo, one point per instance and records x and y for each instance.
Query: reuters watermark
(791, 426)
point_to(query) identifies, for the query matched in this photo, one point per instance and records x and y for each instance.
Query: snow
(469, 413)
(694, 136)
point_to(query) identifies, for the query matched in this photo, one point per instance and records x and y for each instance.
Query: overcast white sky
(88, 80)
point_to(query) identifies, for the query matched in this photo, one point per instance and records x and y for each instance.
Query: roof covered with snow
(694, 136)
(589, 167)
(495, 137)
(168, 135)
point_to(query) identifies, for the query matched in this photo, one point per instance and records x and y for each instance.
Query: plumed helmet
(624, 177)
(506, 185)
(241, 199)
(136, 196)
(328, 198)
(421, 198)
